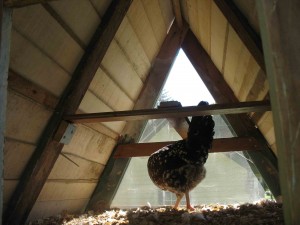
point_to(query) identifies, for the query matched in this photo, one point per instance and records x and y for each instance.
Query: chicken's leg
(188, 203)
(179, 197)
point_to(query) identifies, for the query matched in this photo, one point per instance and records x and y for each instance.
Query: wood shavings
(265, 212)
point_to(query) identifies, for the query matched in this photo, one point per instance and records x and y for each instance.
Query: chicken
(179, 167)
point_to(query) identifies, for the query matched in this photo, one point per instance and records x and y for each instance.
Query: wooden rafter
(146, 114)
(177, 13)
(280, 30)
(48, 149)
(246, 33)
(111, 176)
(219, 145)
(265, 160)
(23, 3)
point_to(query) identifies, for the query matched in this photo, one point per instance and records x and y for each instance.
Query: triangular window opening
(230, 178)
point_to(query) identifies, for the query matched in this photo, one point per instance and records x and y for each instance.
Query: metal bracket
(67, 136)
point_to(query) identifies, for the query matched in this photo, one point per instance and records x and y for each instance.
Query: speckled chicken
(179, 167)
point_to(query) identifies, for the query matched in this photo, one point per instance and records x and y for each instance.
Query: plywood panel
(16, 156)
(242, 71)
(130, 44)
(156, 19)
(218, 36)
(62, 191)
(101, 6)
(28, 61)
(103, 130)
(142, 27)
(45, 32)
(50, 208)
(167, 12)
(65, 169)
(204, 21)
(266, 126)
(25, 119)
(81, 17)
(249, 79)
(192, 8)
(110, 93)
(91, 145)
(118, 67)
(91, 104)
(234, 47)
(259, 89)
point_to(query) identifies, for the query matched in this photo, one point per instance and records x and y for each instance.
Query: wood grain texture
(218, 145)
(23, 3)
(146, 114)
(280, 33)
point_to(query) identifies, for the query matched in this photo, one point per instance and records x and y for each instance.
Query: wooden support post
(265, 160)
(280, 29)
(115, 168)
(5, 29)
(48, 149)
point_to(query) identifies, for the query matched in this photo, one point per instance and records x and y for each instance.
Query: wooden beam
(40, 165)
(177, 13)
(115, 168)
(22, 3)
(265, 161)
(25, 87)
(146, 114)
(246, 33)
(219, 145)
(5, 32)
(280, 29)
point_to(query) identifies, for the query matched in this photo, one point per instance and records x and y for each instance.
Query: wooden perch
(146, 114)
(219, 145)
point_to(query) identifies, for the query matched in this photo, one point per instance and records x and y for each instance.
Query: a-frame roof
(70, 57)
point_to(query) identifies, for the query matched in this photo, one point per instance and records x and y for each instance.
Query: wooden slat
(280, 33)
(146, 114)
(265, 160)
(219, 145)
(22, 3)
(31, 90)
(48, 150)
(243, 29)
(115, 168)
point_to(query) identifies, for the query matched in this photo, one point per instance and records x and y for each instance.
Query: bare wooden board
(70, 13)
(45, 32)
(142, 27)
(167, 12)
(129, 42)
(204, 23)
(22, 3)
(101, 6)
(218, 36)
(155, 16)
(219, 145)
(109, 92)
(29, 61)
(124, 74)
(16, 157)
(24, 113)
(145, 114)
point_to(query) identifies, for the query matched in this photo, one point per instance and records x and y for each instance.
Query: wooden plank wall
(48, 40)
(240, 70)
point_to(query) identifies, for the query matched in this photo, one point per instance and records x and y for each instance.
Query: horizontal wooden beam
(146, 114)
(219, 145)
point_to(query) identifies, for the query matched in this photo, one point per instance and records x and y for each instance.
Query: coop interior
(91, 88)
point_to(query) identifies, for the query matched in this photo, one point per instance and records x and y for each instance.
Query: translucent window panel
(229, 177)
